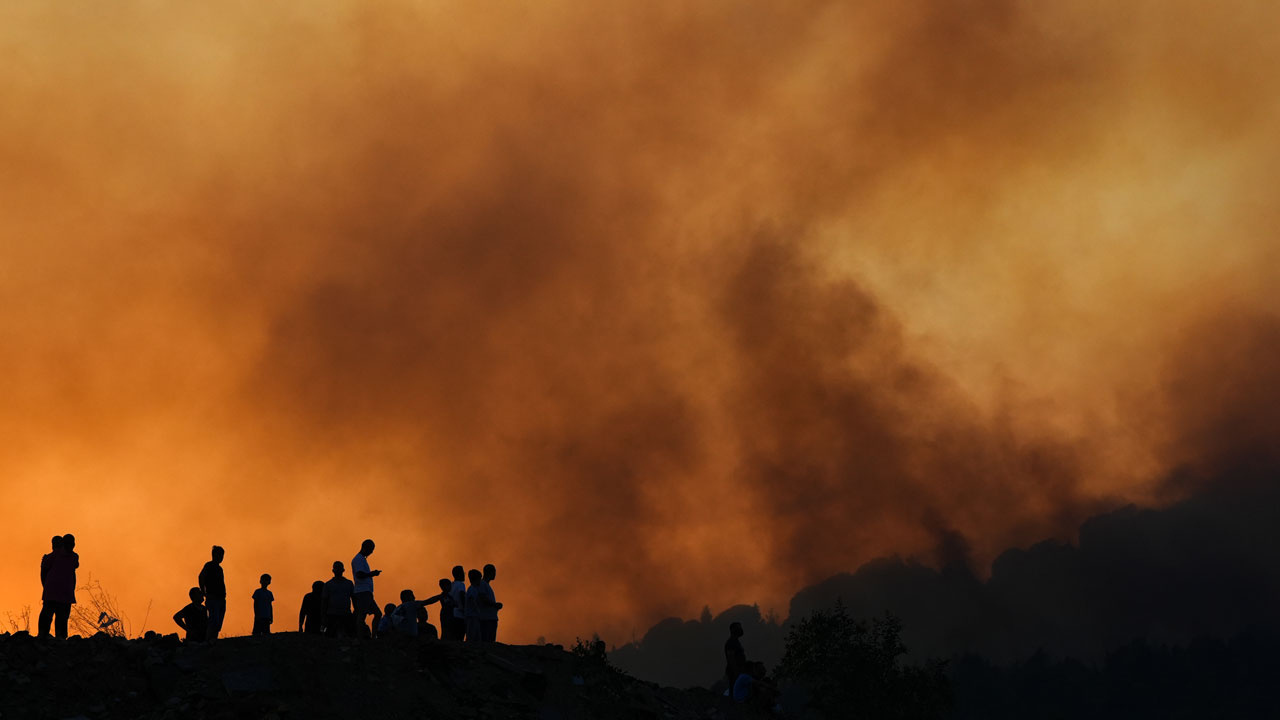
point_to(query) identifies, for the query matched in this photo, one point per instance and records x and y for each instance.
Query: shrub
(853, 668)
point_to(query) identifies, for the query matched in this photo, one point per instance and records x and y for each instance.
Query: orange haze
(653, 304)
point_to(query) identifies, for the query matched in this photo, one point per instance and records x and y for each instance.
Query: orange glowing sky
(652, 304)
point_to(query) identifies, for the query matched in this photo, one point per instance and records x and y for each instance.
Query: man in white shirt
(363, 597)
(458, 592)
(489, 606)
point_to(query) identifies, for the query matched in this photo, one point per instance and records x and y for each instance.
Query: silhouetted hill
(289, 675)
(1204, 568)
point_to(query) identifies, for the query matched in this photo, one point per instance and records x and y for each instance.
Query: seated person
(385, 624)
(194, 618)
(752, 686)
(404, 619)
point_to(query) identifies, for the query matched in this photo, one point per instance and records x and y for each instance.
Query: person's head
(735, 629)
(218, 554)
(474, 576)
(757, 670)
(445, 584)
(338, 568)
(69, 541)
(390, 608)
(406, 596)
(196, 596)
(265, 579)
(459, 574)
(366, 548)
(317, 586)
(490, 572)
(58, 542)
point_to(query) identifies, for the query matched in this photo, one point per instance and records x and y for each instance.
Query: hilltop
(289, 675)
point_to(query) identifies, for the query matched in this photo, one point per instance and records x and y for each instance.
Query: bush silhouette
(853, 668)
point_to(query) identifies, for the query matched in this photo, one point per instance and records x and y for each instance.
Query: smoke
(648, 305)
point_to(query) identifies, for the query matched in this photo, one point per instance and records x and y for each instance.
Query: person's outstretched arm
(435, 599)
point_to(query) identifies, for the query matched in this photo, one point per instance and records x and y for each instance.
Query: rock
(246, 681)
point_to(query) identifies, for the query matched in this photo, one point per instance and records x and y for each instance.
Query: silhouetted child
(386, 625)
(753, 686)
(262, 599)
(194, 618)
(311, 616)
(447, 620)
(405, 618)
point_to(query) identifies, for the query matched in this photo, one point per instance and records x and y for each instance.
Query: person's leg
(46, 617)
(216, 610)
(473, 630)
(331, 628)
(61, 613)
(362, 601)
(489, 630)
(217, 613)
(377, 617)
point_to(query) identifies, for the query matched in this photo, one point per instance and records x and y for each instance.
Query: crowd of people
(342, 607)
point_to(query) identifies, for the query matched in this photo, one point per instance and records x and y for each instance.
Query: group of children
(339, 607)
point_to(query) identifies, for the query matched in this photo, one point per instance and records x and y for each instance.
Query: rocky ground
(289, 675)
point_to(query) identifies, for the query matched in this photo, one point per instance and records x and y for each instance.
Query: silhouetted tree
(853, 668)
(591, 652)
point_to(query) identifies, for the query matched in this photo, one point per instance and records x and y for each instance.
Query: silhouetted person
(57, 575)
(194, 618)
(56, 543)
(365, 604)
(458, 591)
(752, 686)
(404, 618)
(425, 628)
(447, 620)
(472, 609)
(489, 606)
(735, 658)
(262, 599)
(69, 544)
(386, 625)
(337, 601)
(214, 587)
(311, 616)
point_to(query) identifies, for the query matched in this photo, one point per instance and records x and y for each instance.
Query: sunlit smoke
(650, 304)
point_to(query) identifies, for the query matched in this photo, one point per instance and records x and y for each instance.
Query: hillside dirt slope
(289, 675)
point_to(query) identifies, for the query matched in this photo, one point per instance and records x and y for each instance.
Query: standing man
(735, 658)
(214, 587)
(336, 600)
(69, 544)
(57, 575)
(472, 610)
(489, 606)
(365, 604)
(459, 594)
